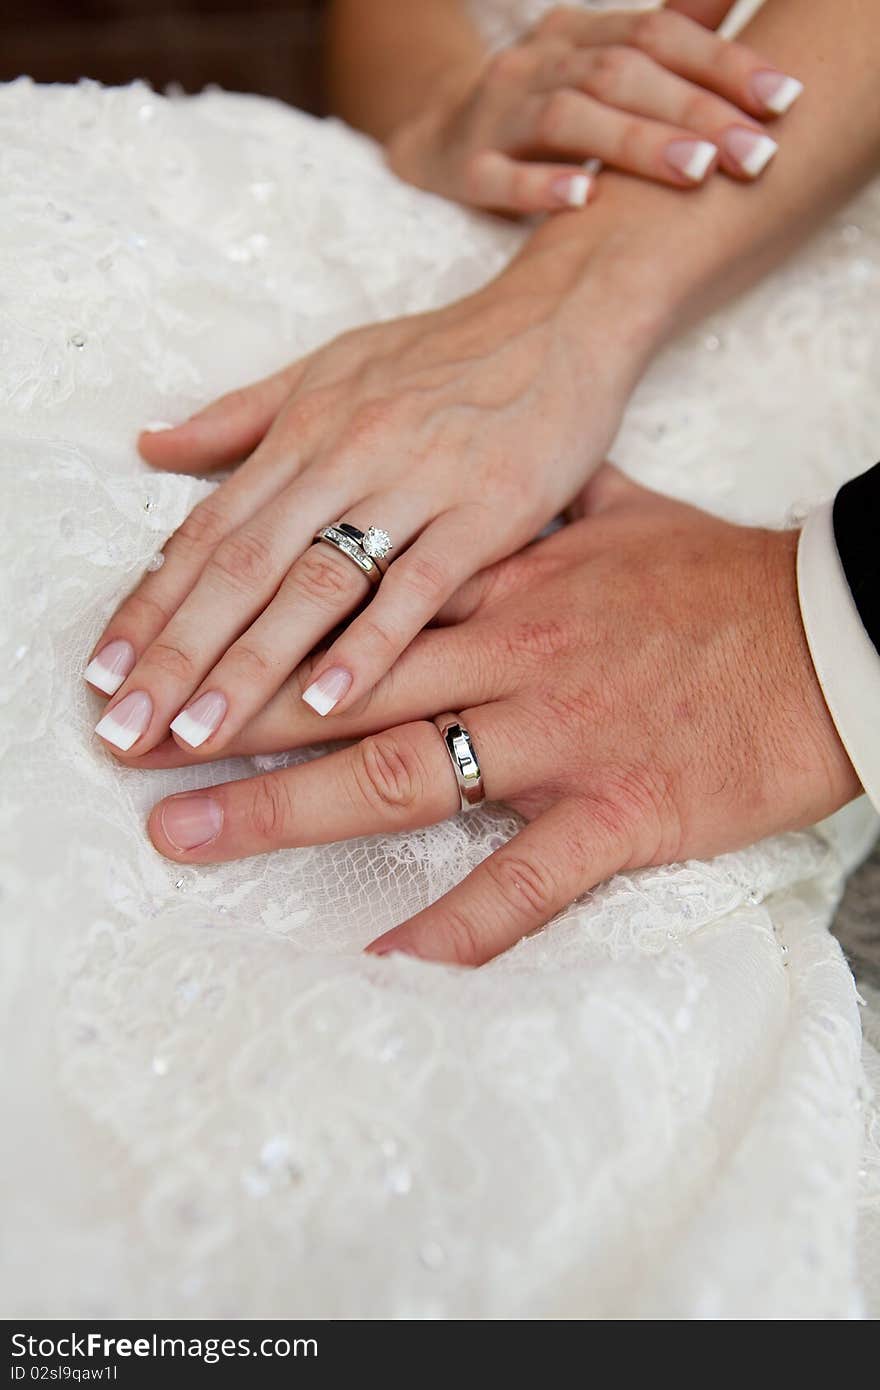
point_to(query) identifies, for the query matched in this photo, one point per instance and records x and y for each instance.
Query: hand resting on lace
(637, 702)
(461, 432)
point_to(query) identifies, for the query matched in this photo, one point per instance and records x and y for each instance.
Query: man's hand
(638, 687)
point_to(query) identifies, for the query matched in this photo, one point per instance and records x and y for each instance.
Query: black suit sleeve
(857, 536)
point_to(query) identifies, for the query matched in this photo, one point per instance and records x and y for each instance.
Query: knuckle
(634, 809)
(144, 612)
(369, 419)
(654, 31)
(244, 558)
(322, 577)
(561, 717)
(474, 175)
(631, 142)
(462, 940)
(554, 61)
(526, 888)
(270, 810)
(509, 66)
(643, 799)
(251, 665)
(425, 575)
(726, 65)
(703, 112)
(171, 660)
(556, 22)
(390, 773)
(540, 638)
(608, 69)
(239, 401)
(309, 408)
(373, 634)
(522, 191)
(204, 528)
(609, 822)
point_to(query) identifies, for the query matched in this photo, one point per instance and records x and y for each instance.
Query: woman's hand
(638, 687)
(653, 94)
(461, 432)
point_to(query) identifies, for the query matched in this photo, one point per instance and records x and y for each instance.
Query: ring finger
(569, 124)
(319, 591)
(400, 779)
(441, 665)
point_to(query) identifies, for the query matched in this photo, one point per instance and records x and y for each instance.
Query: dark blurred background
(267, 46)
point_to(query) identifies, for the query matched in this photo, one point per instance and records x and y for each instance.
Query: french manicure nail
(328, 689)
(691, 158)
(572, 189)
(750, 149)
(775, 91)
(110, 667)
(126, 722)
(189, 821)
(156, 426)
(200, 719)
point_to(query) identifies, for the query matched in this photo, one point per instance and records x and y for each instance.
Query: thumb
(515, 891)
(224, 432)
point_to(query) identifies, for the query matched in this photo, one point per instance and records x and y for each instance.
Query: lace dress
(214, 1105)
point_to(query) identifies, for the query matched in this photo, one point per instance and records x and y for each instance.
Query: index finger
(683, 46)
(401, 779)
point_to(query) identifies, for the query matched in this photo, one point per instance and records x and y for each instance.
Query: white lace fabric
(216, 1105)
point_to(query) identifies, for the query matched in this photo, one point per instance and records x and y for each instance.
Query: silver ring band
(463, 756)
(348, 546)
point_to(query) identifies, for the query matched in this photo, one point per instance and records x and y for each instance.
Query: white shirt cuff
(847, 662)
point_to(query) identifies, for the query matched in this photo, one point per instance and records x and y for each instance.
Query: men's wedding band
(463, 756)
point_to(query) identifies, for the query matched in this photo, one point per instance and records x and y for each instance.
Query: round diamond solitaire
(376, 542)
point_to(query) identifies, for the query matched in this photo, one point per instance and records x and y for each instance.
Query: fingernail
(155, 426)
(775, 91)
(750, 149)
(691, 158)
(328, 689)
(189, 821)
(199, 720)
(572, 190)
(126, 722)
(376, 948)
(110, 667)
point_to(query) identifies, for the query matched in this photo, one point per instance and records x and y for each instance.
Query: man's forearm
(673, 255)
(384, 55)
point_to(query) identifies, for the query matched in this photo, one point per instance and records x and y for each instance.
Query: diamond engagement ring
(364, 548)
(463, 756)
(374, 541)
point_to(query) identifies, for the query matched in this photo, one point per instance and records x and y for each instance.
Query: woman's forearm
(670, 256)
(383, 56)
